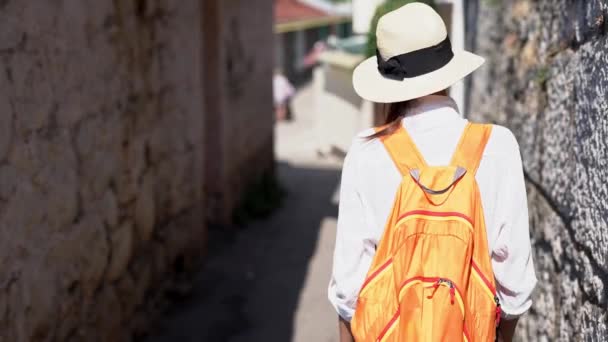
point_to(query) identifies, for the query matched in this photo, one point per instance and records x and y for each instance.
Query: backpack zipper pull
(452, 294)
(435, 286)
(452, 290)
(498, 311)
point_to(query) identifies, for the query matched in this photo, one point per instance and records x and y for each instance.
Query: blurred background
(169, 169)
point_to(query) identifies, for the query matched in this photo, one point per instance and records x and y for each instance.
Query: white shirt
(282, 89)
(369, 183)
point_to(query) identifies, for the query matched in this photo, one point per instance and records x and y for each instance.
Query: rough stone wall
(248, 61)
(100, 163)
(239, 67)
(546, 77)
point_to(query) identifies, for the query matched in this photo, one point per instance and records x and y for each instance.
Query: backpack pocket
(432, 308)
(484, 323)
(376, 305)
(365, 323)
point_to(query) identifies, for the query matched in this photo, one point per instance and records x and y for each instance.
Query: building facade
(299, 25)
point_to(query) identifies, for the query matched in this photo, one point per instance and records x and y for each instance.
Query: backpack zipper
(498, 310)
(446, 282)
(436, 282)
(488, 284)
(453, 289)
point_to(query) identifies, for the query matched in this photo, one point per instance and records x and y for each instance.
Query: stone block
(591, 151)
(9, 180)
(590, 319)
(125, 289)
(25, 155)
(109, 209)
(142, 276)
(558, 163)
(121, 251)
(21, 224)
(70, 313)
(109, 325)
(160, 262)
(6, 124)
(16, 313)
(3, 307)
(40, 298)
(97, 172)
(89, 242)
(58, 181)
(136, 155)
(145, 209)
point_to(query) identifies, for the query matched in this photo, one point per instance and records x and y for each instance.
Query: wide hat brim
(373, 86)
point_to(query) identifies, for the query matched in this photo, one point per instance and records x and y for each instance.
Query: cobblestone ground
(268, 281)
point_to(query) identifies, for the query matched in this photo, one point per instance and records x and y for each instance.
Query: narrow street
(268, 281)
(147, 194)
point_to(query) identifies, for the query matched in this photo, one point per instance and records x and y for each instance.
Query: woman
(413, 67)
(283, 92)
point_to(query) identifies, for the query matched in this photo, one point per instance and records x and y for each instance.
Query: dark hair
(393, 114)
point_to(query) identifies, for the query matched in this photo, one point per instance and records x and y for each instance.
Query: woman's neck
(429, 103)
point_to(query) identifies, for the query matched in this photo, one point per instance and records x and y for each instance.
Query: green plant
(260, 199)
(542, 75)
(388, 6)
(492, 3)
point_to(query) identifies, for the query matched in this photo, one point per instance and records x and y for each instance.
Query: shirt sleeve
(352, 255)
(511, 256)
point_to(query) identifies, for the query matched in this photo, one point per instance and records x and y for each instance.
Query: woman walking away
(432, 241)
(283, 92)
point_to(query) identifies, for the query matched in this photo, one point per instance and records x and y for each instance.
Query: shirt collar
(431, 111)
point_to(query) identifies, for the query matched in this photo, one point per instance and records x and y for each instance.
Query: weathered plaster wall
(546, 78)
(100, 163)
(238, 66)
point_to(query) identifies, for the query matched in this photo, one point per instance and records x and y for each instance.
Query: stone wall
(546, 77)
(238, 68)
(101, 164)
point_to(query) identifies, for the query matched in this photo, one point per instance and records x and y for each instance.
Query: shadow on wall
(254, 277)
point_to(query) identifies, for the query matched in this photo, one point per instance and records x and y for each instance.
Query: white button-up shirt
(369, 183)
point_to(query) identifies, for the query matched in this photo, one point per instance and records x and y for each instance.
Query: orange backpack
(431, 278)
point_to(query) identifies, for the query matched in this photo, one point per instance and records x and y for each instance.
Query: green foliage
(542, 75)
(260, 199)
(492, 3)
(388, 6)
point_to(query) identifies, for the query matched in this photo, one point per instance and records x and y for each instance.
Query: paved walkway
(268, 282)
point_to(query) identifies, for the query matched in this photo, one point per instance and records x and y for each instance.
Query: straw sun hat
(414, 57)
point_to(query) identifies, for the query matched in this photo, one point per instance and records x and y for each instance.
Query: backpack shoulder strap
(403, 151)
(471, 146)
